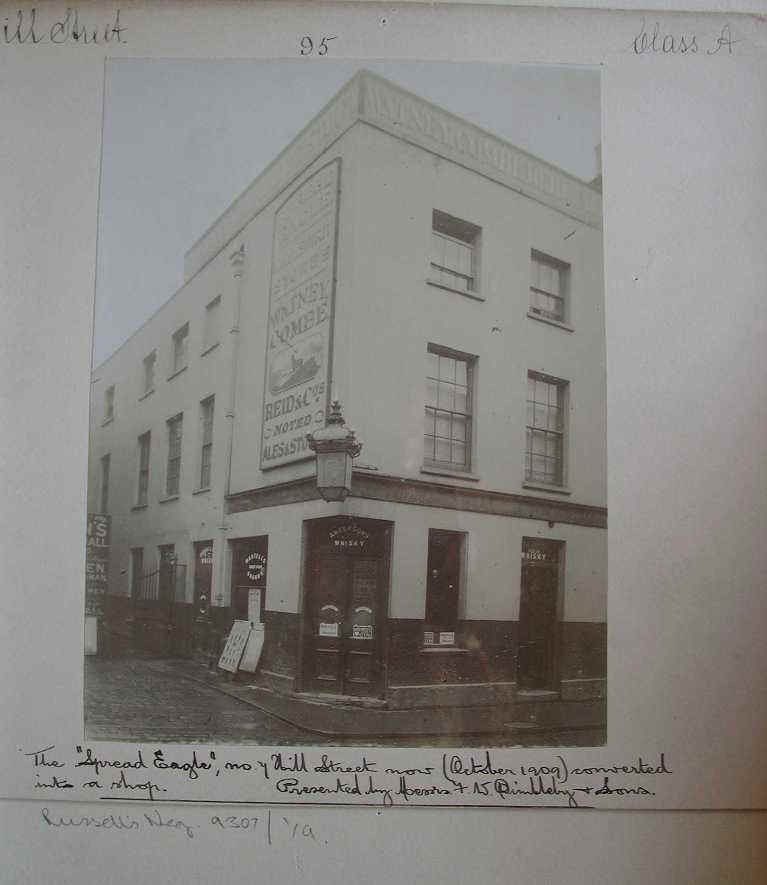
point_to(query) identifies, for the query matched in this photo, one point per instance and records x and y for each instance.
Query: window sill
(549, 322)
(139, 507)
(544, 487)
(450, 649)
(107, 421)
(201, 491)
(474, 295)
(210, 347)
(453, 474)
(146, 393)
(176, 373)
(168, 498)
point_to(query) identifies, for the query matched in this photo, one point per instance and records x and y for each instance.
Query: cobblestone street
(148, 700)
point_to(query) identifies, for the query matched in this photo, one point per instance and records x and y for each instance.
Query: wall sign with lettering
(235, 645)
(301, 296)
(255, 566)
(348, 536)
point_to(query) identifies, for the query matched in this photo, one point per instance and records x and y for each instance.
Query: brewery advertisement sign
(301, 293)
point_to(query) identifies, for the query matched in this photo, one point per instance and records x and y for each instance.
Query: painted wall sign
(428, 638)
(299, 330)
(328, 630)
(447, 638)
(235, 645)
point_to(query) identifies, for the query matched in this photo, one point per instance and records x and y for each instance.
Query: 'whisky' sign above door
(301, 295)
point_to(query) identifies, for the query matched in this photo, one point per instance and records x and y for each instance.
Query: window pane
(459, 454)
(446, 396)
(442, 450)
(459, 428)
(431, 392)
(443, 425)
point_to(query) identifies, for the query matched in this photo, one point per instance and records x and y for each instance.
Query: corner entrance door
(538, 622)
(344, 616)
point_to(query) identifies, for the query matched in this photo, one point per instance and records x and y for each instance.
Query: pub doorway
(346, 580)
(249, 560)
(539, 632)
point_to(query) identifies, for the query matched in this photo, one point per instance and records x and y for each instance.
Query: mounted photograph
(347, 470)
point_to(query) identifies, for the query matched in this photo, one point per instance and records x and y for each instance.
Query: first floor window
(174, 455)
(105, 463)
(443, 586)
(144, 443)
(448, 413)
(206, 453)
(545, 444)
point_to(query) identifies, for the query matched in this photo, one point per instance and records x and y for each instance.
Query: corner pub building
(447, 288)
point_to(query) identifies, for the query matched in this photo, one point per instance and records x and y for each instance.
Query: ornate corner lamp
(335, 447)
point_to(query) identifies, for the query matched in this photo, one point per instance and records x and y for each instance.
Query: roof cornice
(404, 115)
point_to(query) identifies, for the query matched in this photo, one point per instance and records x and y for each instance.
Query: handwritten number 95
(308, 47)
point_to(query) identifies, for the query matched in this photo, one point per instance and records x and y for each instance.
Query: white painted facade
(401, 159)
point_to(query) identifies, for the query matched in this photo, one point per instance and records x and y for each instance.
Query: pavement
(148, 700)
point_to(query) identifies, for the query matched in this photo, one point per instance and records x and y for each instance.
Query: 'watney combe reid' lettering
(284, 334)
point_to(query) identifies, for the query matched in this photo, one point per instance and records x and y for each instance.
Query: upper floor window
(454, 253)
(549, 280)
(180, 341)
(144, 444)
(105, 465)
(211, 332)
(545, 446)
(173, 474)
(206, 454)
(109, 403)
(148, 379)
(448, 414)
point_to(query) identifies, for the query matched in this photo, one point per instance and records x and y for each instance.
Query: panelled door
(538, 619)
(344, 606)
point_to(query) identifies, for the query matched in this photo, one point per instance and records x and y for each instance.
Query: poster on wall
(302, 289)
(97, 562)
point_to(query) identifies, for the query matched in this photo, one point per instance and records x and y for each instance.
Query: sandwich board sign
(235, 646)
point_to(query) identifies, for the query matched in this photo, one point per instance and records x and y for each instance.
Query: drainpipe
(237, 261)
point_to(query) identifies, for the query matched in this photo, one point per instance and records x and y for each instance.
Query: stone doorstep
(349, 720)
